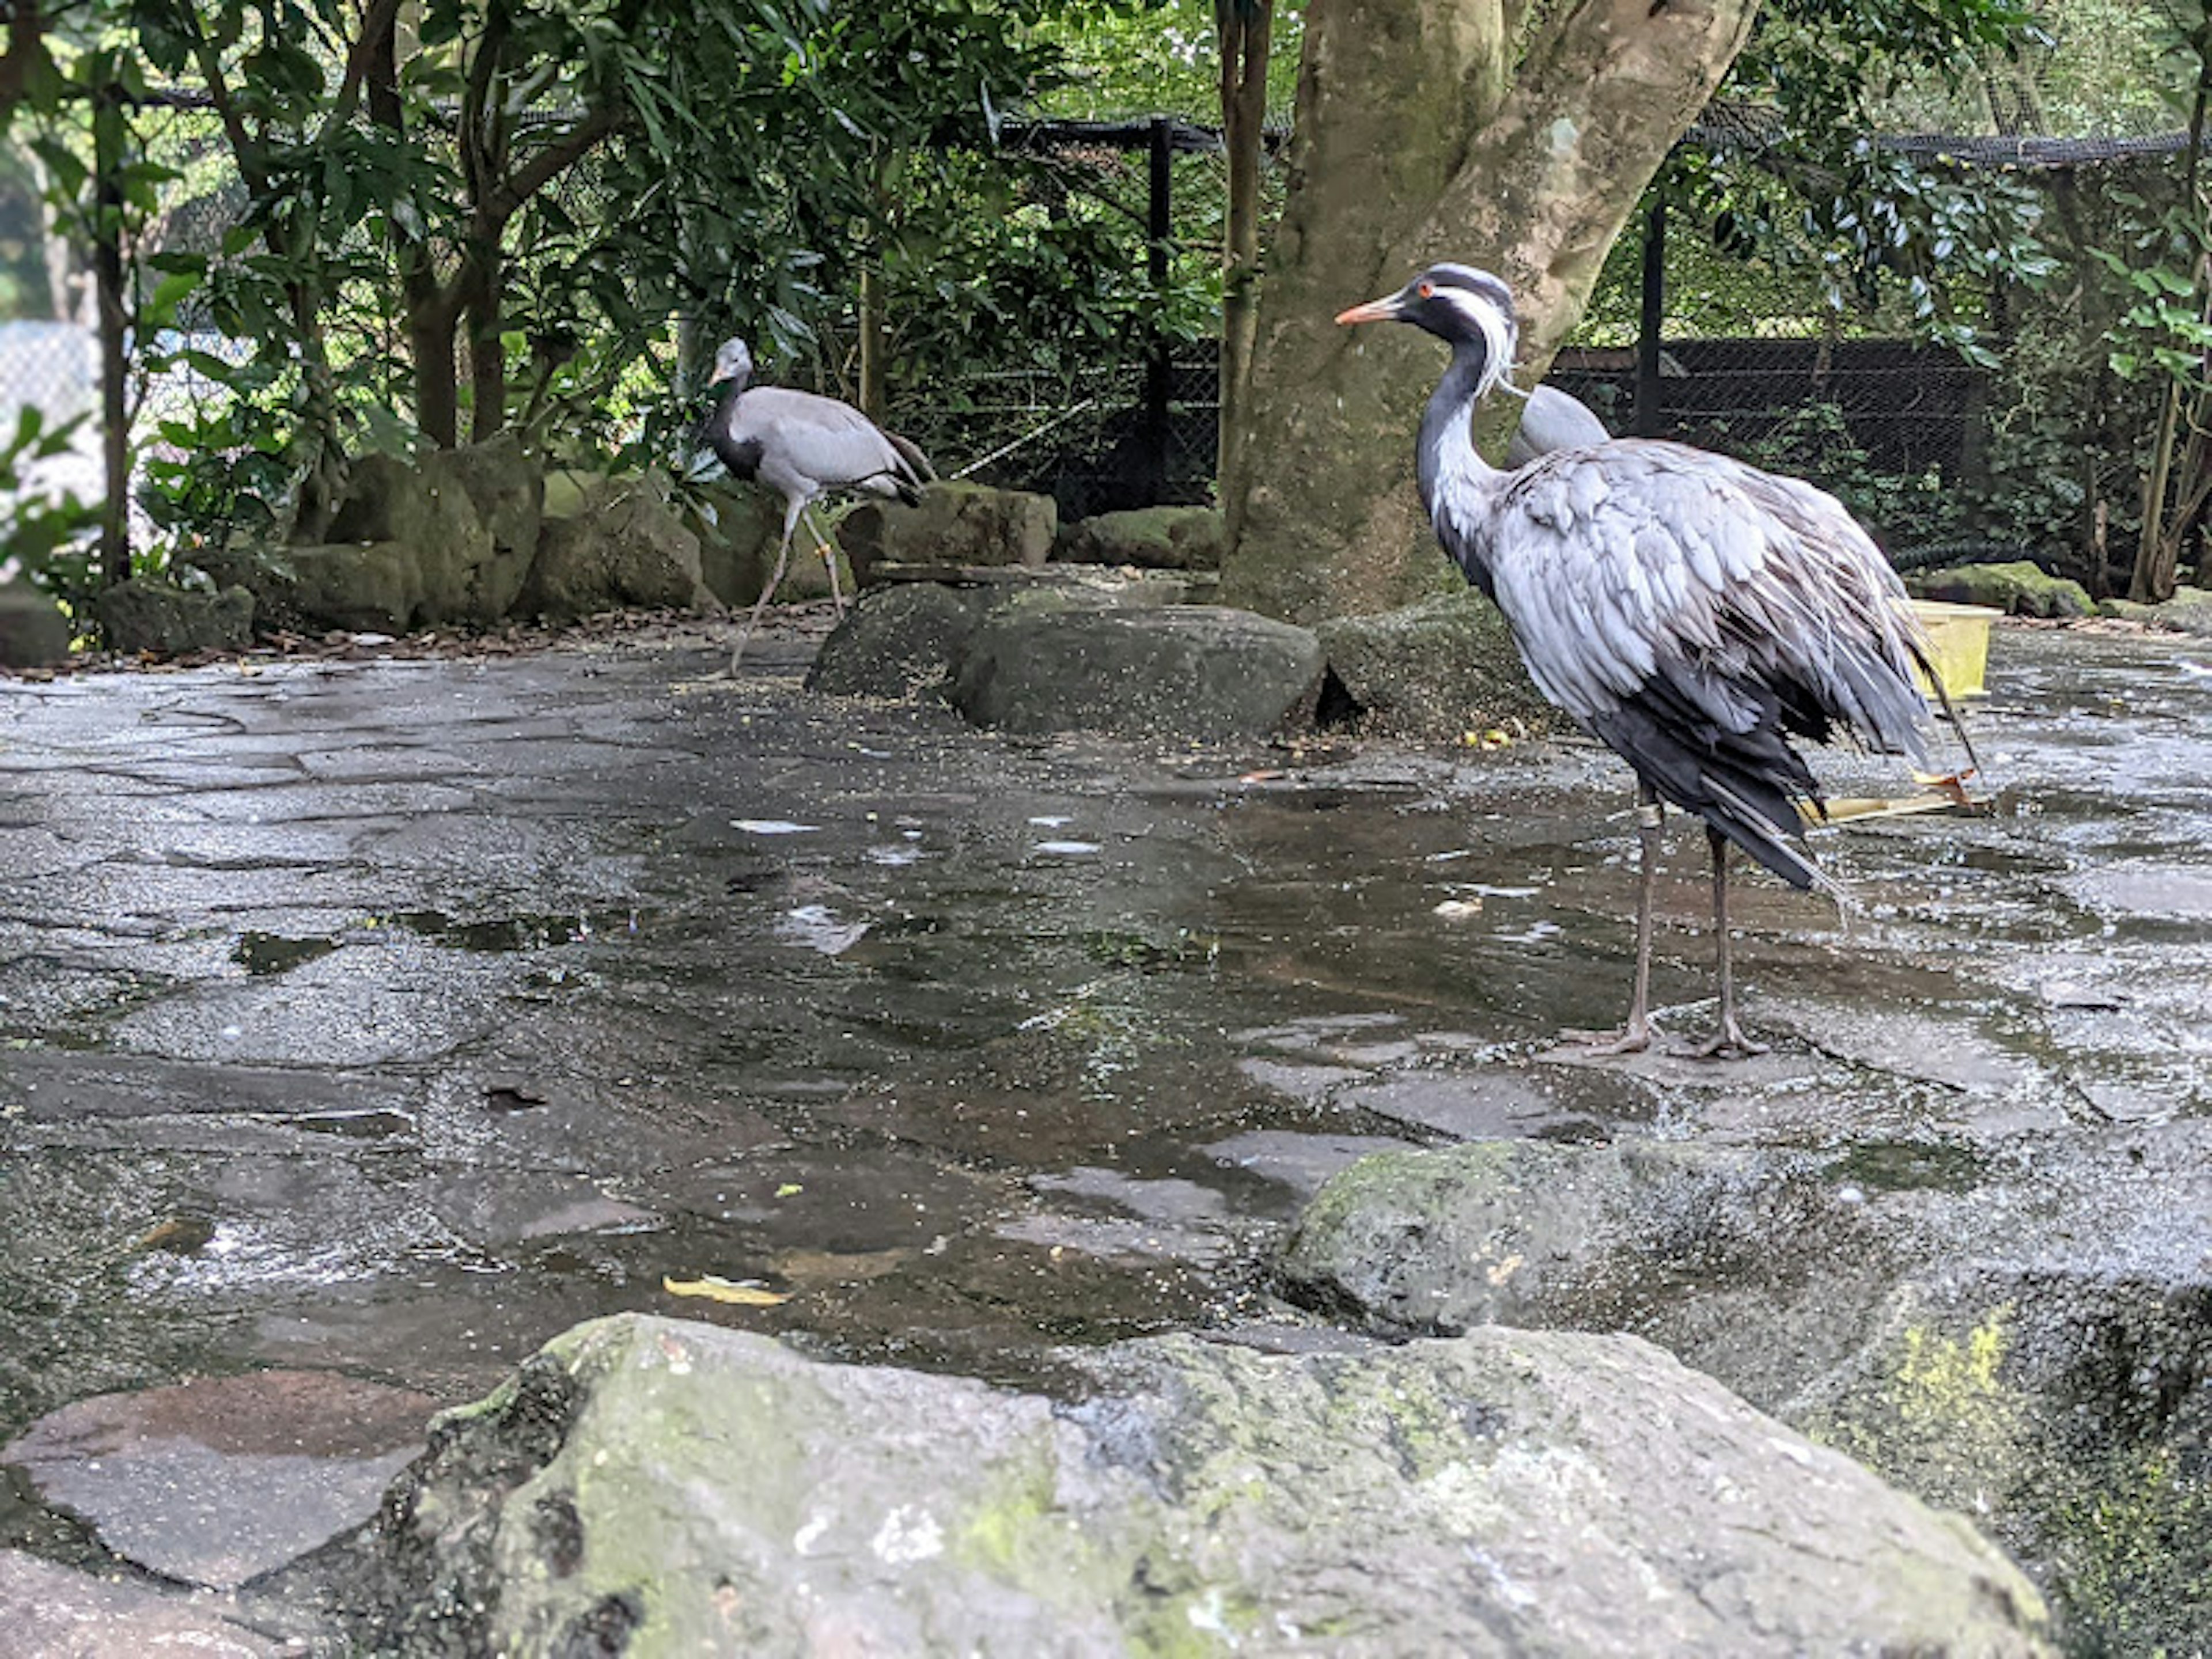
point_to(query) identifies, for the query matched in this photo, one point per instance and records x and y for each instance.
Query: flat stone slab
(51, 1612)
(215, 1481)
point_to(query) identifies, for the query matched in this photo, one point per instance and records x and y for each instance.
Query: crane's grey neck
(739, 451)
(1452, 472)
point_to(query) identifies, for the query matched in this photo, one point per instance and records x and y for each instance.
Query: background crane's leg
(775, 580)
(829, 551)
(1730, 1043)
(1635, 1036)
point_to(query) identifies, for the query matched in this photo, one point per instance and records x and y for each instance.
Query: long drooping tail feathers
(1745, 786)
(910, 452)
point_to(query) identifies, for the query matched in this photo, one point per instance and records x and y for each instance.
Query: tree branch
(377, 18)
(549, 162)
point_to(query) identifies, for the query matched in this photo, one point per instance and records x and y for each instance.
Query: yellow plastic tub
(1958, 644)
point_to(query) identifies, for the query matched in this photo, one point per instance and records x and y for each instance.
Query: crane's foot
(1631, 1039)
(1730, 1043)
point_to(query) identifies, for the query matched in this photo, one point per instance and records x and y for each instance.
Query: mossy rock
(956, 524)
(1150, 538)
(1435, 671)
(33, 633)
(2019, 588)
(2189, 611)
(657, 1486)
(901, 641)
(1203, 672)
(626, 545)
(174, 622)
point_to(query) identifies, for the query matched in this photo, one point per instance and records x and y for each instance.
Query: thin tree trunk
(1245, 30)
(23, 54)
(874, 341)
(109, 131)
(2158, 551)
(487, 344)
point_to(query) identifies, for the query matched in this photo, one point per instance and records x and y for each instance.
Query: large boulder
(1436, 670)
(1204, 672)
(656, 1487)
(372, 586)
(2017, 1332)
(442, 540)
(900, 642)
(624, 545)
(33, 633)
(2189, 611)
(2021, 588)
(738, 525)
(1150, 538)
(426, 512)
(956, 524)
(507, 487)
(139, 616)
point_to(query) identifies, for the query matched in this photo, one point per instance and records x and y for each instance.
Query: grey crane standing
(1692, 612)
(803, 446)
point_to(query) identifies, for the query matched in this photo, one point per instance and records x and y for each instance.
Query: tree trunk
(1244, 30)
(109, 131)
(487, 342)
(430, 331)
(23, 53)
(874, 382)
(2158, 553)
(1418, 139)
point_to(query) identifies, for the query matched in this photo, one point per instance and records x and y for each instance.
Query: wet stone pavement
(388, 1017)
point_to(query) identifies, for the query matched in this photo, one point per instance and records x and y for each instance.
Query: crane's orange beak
(1375, 311)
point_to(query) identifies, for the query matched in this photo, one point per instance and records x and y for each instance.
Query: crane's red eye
(1426, 290)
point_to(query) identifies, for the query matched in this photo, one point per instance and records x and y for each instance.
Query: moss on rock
(2019, 588)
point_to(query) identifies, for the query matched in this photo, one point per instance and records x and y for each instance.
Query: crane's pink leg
(1635, 1036)
(767, 589)
(829, 551)
(1730, 1043)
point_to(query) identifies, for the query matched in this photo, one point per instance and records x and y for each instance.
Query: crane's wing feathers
(1647, 562)
(820, 441)
(1693, 613)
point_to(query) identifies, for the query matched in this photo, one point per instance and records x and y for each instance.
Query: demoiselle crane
(803, 446)
(1690, 611)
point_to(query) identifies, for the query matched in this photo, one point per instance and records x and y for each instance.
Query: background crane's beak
(1375, 311)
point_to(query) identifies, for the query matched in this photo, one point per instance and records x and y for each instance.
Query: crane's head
(1459, 304)
(732, 362)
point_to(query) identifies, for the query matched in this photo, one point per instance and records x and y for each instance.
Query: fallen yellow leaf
(744, 1294)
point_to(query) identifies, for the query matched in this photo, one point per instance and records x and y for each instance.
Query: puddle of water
(272, 953)
(1892, 1166)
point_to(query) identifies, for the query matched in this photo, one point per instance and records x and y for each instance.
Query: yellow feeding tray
(1958, 643)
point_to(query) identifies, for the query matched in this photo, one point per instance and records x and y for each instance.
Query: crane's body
(1692, 612)
(803, 447)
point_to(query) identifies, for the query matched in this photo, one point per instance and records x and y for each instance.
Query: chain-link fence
(1095, 442)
